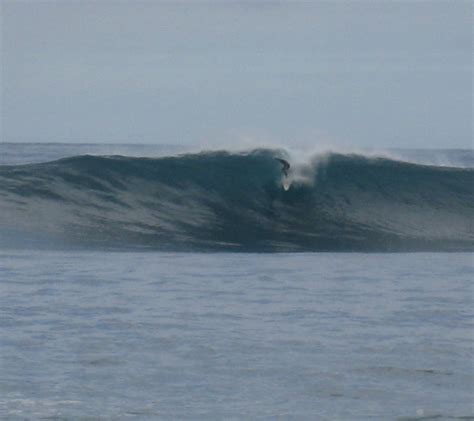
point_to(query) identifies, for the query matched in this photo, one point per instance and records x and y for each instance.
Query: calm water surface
(235, 336)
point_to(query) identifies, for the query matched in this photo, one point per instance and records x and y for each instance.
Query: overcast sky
(361, 73)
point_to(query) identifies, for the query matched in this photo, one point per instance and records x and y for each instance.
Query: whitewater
(164, 282)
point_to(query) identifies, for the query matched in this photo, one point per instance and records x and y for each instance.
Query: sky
(351, 73)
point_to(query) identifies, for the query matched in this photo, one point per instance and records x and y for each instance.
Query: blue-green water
(220, 200)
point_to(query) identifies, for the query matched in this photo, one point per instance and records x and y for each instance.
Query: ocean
(138, 281)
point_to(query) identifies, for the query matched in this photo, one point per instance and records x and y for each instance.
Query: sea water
(90, 332)
(235, 201)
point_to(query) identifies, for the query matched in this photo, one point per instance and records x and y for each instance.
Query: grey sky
(362, 73)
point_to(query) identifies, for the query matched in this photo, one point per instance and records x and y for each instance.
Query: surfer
(286, 166)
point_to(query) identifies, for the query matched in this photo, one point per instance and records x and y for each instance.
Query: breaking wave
(236, 201)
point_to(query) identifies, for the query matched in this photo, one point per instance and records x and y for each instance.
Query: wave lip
(235, 201)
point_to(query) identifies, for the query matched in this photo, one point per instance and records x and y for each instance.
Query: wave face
(228, 201)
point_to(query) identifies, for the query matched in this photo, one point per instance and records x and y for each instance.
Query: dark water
(235, 201)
